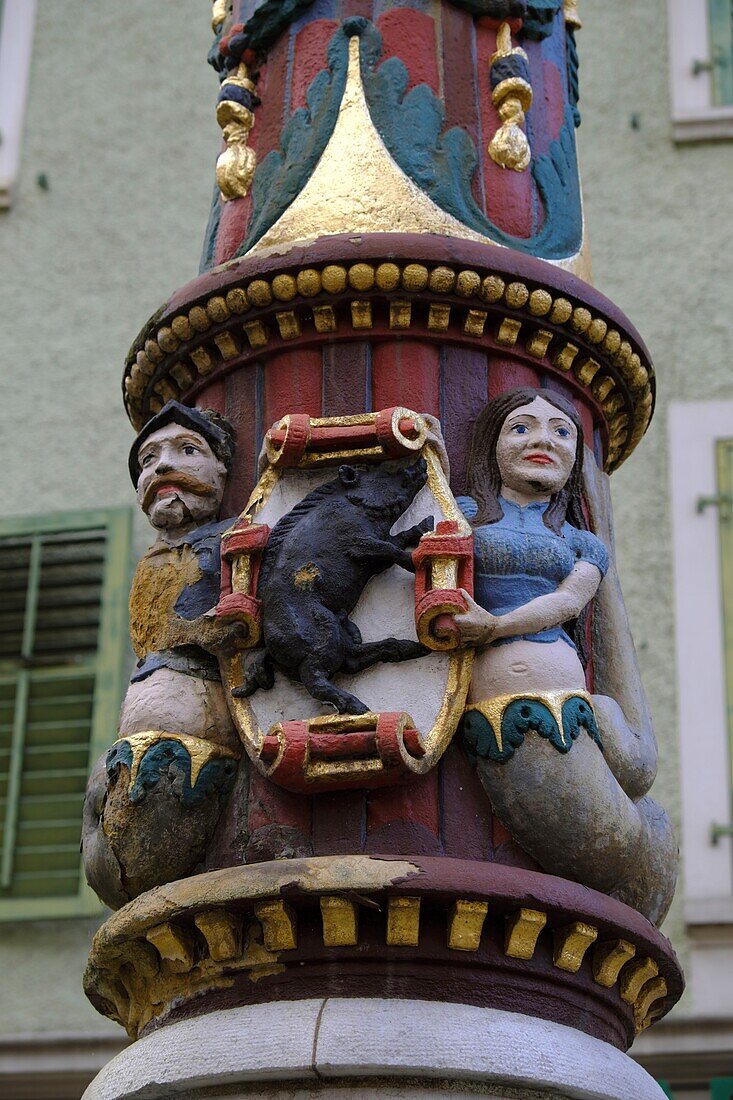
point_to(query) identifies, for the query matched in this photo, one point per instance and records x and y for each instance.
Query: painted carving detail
(411, 126)
(318, 560)
(249, 631)
(331, 564)
(576, 803)
(235, 167)
(238, 99)
(512, 97)
(242, 626)
(373, 725)
(154, 799)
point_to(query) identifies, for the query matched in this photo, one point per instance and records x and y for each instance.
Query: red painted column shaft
(406, 372)
(293, 383)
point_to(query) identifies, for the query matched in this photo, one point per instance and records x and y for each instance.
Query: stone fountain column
(384, 902)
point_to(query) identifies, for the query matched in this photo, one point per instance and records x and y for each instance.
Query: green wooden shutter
(721, 1088)
(721, 50)
(724, 455)
(63, 630)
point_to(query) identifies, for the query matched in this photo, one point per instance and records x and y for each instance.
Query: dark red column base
(403, 944)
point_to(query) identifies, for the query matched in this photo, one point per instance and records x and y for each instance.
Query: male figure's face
(181, 482)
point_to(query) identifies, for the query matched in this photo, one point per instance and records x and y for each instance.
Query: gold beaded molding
(154, 953)
(265, 314)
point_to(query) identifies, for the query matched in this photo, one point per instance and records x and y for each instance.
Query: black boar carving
(315, 567)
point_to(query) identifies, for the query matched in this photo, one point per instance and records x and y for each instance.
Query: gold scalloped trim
(146, 958)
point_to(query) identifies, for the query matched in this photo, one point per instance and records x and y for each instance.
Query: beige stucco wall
(661, 225)
(121, 119)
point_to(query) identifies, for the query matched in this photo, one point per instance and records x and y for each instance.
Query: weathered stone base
(352, 1049)
(427, 929)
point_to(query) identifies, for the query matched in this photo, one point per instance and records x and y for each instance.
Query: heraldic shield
(347, 566)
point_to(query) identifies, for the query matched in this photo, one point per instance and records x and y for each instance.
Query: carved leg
(173, 701)
(155, 798)
(570, 814)
(101, 866)
(412, 535)
(391, 553)
(351, 632)
(630, 751)
(314, 678)
(392, 650)
(259, 673)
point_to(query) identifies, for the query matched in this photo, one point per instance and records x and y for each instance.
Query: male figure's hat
(215, 429)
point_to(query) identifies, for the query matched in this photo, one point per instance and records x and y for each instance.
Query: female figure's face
(536, 450)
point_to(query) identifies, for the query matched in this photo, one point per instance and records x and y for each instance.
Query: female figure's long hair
(484, 478)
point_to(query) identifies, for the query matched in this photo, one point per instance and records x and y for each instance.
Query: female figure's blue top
(518, 559)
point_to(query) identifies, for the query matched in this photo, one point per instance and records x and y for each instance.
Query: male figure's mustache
(180, 480)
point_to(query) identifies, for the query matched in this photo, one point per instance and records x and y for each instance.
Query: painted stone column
(383, 770)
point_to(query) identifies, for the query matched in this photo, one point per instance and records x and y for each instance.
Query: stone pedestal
(395, 245)
(354, 1049)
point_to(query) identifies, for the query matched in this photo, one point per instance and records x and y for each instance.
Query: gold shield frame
(418, 752)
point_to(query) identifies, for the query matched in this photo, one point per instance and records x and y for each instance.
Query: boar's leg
(379, 550)
(351, 631)
(412, 535)
(390, 649)
(259, 673)
(315, 679)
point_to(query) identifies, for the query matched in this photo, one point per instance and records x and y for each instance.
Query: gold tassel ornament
(235, 167)
(512, 97)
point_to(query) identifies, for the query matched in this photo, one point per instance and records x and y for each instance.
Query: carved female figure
(565, 771)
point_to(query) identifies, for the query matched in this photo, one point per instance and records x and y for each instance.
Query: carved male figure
(179, 465)
(176, 757)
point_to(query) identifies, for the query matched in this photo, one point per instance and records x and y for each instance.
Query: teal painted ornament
(443, 163)
(271, 19)
(212, 229)
(523, 716)
(538, 15)
(540, 18)
(573, 66)
(284, 173)
(216, 776)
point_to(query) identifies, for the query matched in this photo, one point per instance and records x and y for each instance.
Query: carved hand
(225, 636)
(478, 627)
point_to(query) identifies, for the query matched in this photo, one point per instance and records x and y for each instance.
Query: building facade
(106, 215)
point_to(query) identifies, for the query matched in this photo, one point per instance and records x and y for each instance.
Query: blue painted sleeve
(590, 548)
(468, 506)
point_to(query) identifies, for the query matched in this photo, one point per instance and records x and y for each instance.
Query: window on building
(722, 1089)
(701, 475)
(724, 455)
(701, 70)
(17, 18)
(721, 51)
(63, 618)
(701, 480)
